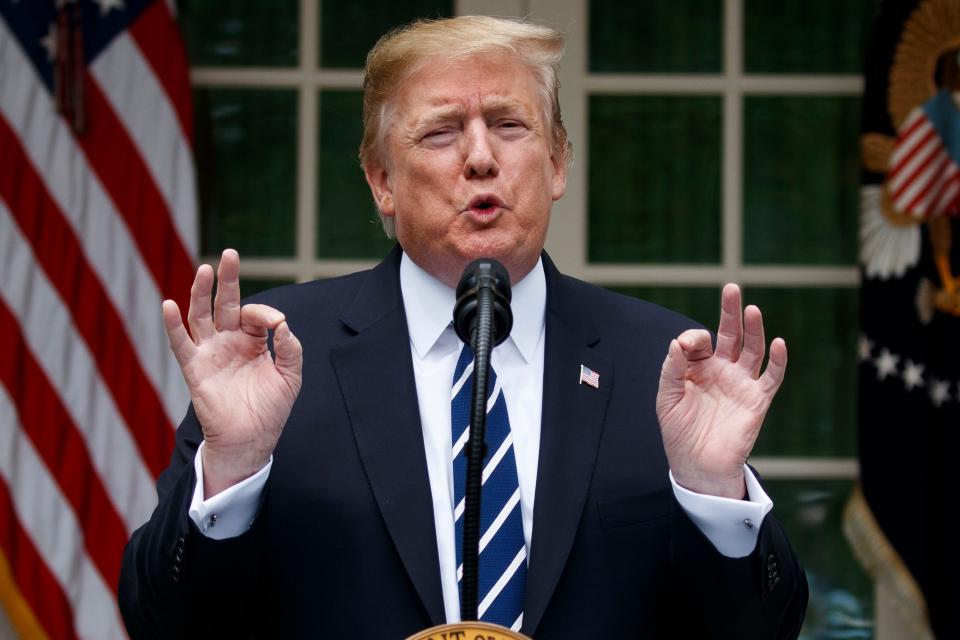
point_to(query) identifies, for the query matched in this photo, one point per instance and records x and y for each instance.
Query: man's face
(469, 169)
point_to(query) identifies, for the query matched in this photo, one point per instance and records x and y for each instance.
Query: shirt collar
(429, 307)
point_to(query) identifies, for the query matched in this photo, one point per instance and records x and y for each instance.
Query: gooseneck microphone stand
(482, 318)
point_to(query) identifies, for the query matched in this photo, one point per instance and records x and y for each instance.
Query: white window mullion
(732, 142)
(308, 129)
(567, 237)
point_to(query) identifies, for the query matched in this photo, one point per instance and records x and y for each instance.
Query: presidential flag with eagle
(909, 398)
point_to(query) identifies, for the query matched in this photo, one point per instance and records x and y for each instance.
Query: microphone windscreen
(483, 273)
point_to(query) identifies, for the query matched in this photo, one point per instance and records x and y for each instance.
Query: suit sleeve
(762, 595)
(174, 581)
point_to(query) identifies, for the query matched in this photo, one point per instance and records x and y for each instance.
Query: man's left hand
(711, 404)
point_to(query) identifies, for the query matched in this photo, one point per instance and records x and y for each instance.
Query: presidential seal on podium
(468, 631)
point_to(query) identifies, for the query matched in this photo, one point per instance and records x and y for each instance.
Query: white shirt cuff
(230, 512)
(731, 525)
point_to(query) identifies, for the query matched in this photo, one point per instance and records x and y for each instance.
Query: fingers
(740, 339)
(672, 378)
(199, 315)
(289, 355)
(751, 357)
(257, 319)
(776, 367)
(730, 331)
(226, 306)
(180, 343)
(696, 344)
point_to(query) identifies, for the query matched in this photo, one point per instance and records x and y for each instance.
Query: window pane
(250, 286)
(806, 36)
(666, 36)
(246, 166)
(347, 221)
(841, 594)
(815, 410)
(240, 32)
(801, 180)
(654, 179)
(349, 29)
(700, 303)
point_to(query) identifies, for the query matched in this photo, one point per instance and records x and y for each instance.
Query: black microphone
(483, 276)
(483, 319)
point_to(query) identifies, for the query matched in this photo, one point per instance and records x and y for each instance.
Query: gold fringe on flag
(884, 565)
(18, 611)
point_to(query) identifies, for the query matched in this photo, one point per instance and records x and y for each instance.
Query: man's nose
(481, 157)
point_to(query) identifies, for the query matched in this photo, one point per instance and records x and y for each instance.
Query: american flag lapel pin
(589, 376)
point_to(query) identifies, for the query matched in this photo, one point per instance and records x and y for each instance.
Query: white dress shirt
(731, 525)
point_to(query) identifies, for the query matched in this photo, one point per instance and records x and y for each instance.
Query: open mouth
(485, 205)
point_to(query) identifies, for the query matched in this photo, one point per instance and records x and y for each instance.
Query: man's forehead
(462, 103)
(492, 82)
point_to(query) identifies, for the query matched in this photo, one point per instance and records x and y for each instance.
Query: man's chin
(450, 269)
(517, 264)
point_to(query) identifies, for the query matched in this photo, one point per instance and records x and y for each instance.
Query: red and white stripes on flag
(589, 376)
(924, 179)
(97, 226)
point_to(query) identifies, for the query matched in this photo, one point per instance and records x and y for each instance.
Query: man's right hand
(242, 396)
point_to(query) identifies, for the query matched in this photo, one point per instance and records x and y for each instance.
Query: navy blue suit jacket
(344, 542)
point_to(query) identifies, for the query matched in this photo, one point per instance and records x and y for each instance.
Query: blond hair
(401, 52)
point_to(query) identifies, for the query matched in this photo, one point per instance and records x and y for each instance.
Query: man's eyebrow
(439, 116)
(495, 106)
(446, 112)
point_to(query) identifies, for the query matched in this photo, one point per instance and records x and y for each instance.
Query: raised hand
(711, 405)
(242, 396)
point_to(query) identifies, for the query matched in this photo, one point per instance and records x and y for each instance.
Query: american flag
(97, 226)
(924, 176)
(589, 376)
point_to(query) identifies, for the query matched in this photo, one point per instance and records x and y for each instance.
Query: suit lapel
(377, 382)
(571, 425)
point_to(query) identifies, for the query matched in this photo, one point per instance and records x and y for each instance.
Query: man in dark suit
(309, 491)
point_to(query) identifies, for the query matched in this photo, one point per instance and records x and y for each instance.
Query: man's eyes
(440, 136)
(448, 134)
(512, 128)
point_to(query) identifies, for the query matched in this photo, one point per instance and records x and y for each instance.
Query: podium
(468, 631)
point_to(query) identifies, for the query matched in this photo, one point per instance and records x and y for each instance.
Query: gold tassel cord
(884, 565)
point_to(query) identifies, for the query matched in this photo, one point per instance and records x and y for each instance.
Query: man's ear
(559, 186)
(379, 182)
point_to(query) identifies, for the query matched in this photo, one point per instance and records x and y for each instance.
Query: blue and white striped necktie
(503, 556)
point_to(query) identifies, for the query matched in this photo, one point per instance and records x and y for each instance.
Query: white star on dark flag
(886, 364)
(939, 391)
(49, 42)
(913, 375)
(106, 5)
